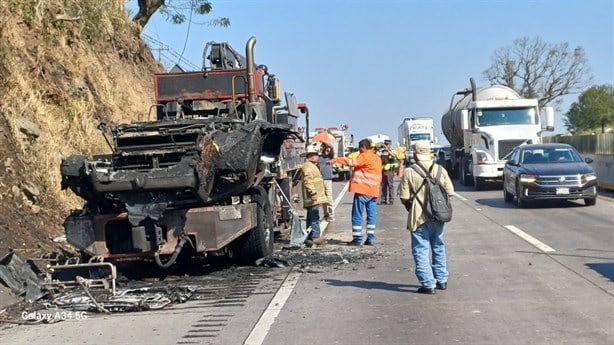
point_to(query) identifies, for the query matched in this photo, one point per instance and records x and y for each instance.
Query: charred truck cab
(204, 177)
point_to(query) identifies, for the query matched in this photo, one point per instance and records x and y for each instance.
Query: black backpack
(437, 205)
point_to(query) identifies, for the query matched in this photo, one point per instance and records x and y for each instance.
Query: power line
(172, 54)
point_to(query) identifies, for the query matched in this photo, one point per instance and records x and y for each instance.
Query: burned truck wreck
(211, 174)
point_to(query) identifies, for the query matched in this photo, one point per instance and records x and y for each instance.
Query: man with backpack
(424, 190)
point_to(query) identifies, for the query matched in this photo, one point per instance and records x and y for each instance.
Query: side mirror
(512, 162)
(588, 160)
(464, 119)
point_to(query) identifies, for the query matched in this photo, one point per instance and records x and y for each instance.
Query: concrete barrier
(604, 167)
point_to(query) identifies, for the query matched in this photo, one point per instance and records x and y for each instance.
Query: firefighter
(314, 193)
(389, 171)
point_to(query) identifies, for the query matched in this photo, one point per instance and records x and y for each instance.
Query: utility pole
(159, 50)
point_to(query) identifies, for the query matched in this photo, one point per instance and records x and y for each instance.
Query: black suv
(548, 171)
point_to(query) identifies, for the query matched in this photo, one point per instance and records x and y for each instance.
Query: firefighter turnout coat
(313, 184)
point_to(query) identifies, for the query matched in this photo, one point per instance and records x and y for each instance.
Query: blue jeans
(360, 203)
(429, 236)
(313, 221)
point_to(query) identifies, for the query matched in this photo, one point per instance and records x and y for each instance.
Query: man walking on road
(365, 184)
(425, 233)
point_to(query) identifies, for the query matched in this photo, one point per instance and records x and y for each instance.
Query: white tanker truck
(485, 125)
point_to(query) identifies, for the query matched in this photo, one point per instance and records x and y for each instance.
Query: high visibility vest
(390, 166)
(367, 175)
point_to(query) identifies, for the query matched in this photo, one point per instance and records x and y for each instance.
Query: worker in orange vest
(365, 184)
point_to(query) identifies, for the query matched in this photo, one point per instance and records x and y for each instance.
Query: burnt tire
(258, 242)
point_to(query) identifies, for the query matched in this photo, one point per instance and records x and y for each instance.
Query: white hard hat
(312, 148)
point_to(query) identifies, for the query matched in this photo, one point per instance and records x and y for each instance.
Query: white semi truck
(413, 129)
(485, 125)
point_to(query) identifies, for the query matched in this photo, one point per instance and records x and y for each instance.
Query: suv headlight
(528, 178)
(586, 178)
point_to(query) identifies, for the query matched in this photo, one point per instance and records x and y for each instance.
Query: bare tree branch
(541, 70)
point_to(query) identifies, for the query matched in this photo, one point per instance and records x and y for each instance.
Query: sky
(371, 63)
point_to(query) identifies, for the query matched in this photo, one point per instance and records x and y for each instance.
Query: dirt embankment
(64, 68)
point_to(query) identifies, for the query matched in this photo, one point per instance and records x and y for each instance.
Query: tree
(175, 11)
(593, 110)
(541, 70)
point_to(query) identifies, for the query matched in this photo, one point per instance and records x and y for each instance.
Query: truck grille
(506, 146)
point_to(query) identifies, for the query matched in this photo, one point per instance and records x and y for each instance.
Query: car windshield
(510, 116)
(550, 155)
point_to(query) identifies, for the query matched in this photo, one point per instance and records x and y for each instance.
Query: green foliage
(594, 110)
(26, 9)
(181, 11)
(91, 25)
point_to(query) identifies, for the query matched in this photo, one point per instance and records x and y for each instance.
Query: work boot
(319, 241)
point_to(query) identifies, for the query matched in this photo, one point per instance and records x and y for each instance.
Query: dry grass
(66, 77)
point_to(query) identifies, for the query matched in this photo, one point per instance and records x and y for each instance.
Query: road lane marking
(260, 331)
(533, 241)
(340, 195)
(460, 197)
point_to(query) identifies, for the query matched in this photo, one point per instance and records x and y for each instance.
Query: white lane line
(460, 196)
(324, 222)
(260, 331)
(340, 195)
(533, 241)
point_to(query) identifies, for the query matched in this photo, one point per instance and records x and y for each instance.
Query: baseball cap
(422, 149)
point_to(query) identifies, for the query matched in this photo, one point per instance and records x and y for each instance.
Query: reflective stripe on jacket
(390, 166)
(313, 183)
(367, 175)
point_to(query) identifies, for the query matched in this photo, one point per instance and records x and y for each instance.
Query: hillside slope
(65, 66)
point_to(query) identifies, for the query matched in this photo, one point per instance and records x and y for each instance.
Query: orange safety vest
(367, 175)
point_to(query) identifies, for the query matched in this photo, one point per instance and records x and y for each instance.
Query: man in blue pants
(365, 184)
(426, 234)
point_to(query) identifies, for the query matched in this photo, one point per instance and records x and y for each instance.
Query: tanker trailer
(485, 125)
(202, 177)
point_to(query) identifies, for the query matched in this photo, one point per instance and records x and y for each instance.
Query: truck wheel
(466, 178)
(461, 172)
(258, 242)
(455, 172)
